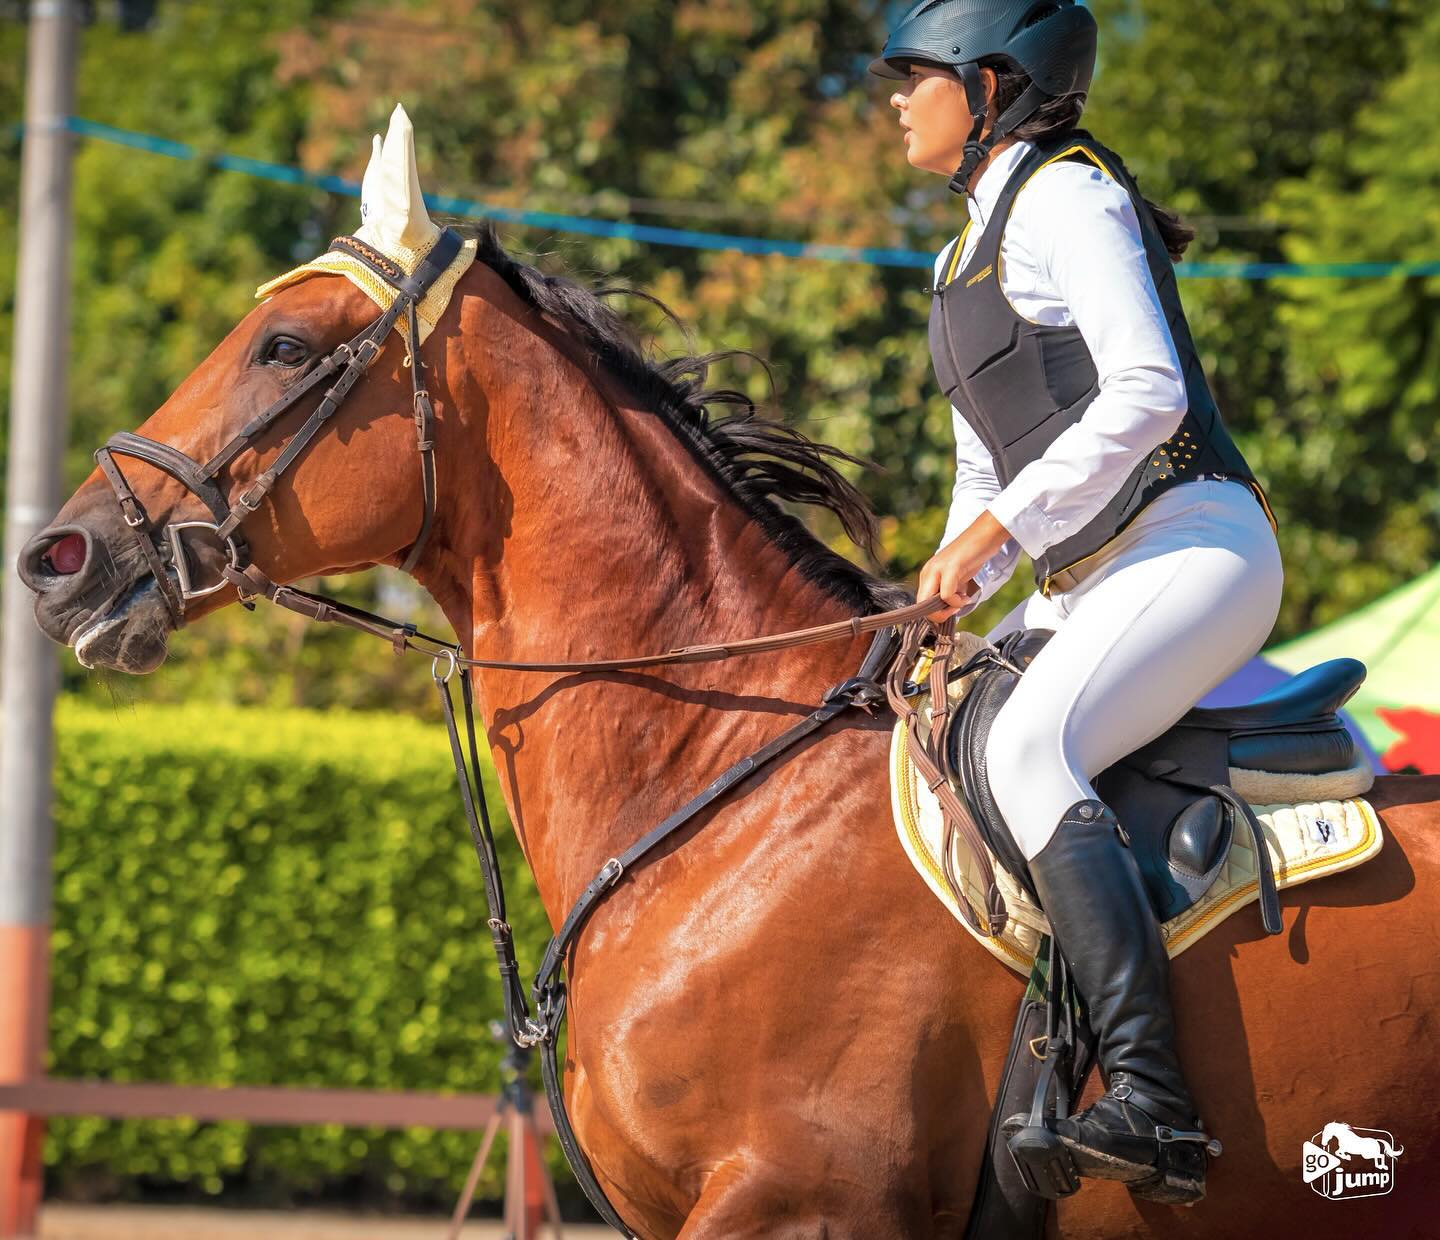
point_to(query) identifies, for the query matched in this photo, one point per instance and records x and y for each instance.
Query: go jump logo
(1341, 1162)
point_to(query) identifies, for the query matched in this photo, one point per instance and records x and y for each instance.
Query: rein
(548, 992)
(164, 551)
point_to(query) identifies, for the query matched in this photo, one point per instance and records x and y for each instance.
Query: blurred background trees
(1304, 134)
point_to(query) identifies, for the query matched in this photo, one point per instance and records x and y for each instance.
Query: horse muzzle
(94, 593)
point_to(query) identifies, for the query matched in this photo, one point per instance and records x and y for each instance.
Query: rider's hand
(950, 572)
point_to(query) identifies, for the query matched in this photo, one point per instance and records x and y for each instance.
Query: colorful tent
(1395, 717)
(1398, 639)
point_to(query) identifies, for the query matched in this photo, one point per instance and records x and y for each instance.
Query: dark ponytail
(1056, 117)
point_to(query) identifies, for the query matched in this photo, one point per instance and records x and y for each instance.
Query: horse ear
(391, 205)
(370, 186)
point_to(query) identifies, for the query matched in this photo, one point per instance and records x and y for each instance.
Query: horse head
(1343, 1136)
(354, 496)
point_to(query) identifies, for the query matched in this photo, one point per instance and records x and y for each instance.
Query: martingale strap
(549, 991)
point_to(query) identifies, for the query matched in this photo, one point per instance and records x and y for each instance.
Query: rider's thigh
(1173, 615)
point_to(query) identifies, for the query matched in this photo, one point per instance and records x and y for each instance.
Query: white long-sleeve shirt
(1071, 255)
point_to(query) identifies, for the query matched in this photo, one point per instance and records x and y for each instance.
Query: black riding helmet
(1051, 41)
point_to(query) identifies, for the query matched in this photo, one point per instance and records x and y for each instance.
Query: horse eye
(284, 351)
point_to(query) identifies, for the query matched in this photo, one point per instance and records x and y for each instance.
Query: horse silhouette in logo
(1348, 1142)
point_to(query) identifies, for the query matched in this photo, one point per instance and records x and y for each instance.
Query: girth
(164, 549)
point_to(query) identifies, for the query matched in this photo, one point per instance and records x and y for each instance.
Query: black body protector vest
(1020, 384)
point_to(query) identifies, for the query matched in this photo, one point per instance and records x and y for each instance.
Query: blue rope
(653, 234)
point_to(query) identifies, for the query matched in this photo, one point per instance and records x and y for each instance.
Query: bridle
(164, 549)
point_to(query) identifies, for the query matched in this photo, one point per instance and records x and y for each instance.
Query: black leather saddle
(1172, 797)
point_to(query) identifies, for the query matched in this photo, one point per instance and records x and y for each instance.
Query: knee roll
(1032, 782)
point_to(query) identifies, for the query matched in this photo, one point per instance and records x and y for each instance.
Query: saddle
(1176, 797)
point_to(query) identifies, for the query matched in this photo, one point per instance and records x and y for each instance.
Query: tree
(759, 118)
(1356, 444)
(1223, 110)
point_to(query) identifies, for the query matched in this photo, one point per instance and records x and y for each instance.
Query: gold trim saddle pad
(1306, 841)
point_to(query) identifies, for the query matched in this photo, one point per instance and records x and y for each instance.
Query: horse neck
(587, 530)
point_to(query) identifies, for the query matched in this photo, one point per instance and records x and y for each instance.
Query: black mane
(757, 459)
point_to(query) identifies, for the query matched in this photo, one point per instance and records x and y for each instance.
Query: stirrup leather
(1046, 1166)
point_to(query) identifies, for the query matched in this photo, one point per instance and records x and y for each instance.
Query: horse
(1348, 1143)
(775, 1030)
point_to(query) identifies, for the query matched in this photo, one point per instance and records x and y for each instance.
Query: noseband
(164, 549)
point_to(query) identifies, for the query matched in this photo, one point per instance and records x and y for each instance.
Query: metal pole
(29, 670)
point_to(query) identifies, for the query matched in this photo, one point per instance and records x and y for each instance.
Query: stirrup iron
(1045, 1164)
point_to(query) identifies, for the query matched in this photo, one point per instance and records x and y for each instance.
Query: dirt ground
(67, 1222)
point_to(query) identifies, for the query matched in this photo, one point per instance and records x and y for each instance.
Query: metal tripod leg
(472, 1181)
(529, 1191)
(530, 1196)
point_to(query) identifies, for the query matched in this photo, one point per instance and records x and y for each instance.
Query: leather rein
(164, 551)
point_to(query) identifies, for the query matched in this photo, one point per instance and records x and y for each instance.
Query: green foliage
(1258, 119)
(1261, 119)
(270, 897)
(1364, 355)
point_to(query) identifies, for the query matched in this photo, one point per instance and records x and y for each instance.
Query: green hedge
(269, 898)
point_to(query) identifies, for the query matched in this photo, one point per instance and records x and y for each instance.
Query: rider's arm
(976, 486)
(1074, 242)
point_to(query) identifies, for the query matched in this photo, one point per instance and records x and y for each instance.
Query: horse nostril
(65, 557)
(53, 556)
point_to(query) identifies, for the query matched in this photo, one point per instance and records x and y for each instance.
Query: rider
(1086, 436)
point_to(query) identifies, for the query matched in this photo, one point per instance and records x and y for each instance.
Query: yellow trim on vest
(1265, 504)
(1076, 149)
(1045, 585)
(959, 249)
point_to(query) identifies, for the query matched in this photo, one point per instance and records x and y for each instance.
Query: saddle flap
(1150, 792)
(1179, 832)
(969, 735)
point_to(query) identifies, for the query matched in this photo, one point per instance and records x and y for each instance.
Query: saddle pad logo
(1341, 1162)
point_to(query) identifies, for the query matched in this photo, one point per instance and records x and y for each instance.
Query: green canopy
(1398, 639)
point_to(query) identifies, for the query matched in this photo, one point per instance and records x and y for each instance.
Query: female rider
(1086, 436)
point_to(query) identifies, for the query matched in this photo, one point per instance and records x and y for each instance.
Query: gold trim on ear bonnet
(395, 222)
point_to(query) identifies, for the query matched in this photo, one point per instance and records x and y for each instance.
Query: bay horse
(775, 1030)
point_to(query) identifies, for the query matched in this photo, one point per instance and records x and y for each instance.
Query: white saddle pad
(1306, 841)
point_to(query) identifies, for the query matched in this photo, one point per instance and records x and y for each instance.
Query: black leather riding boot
(1144, 1130)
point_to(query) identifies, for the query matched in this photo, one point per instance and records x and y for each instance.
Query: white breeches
(1184, 596)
